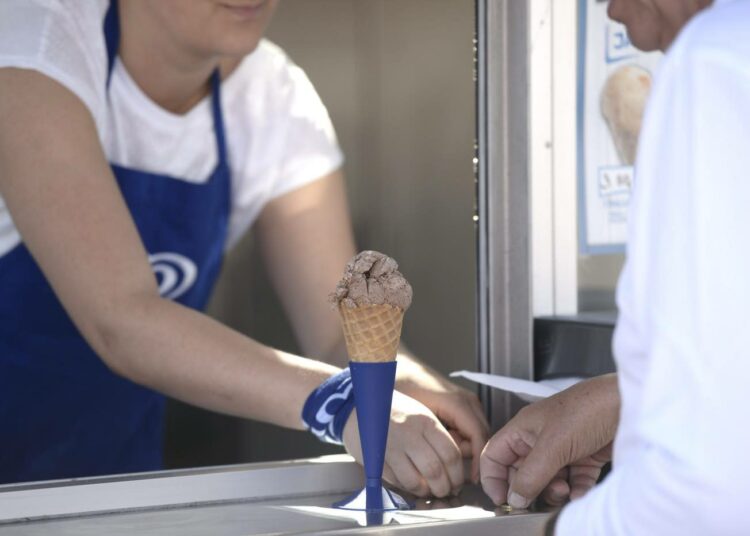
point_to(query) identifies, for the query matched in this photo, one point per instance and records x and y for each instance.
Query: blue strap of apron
(111, 36)
(218, 118)
(112, 39)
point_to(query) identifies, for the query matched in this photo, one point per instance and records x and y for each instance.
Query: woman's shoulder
(62, 39)
(68, 33)
(31, 10)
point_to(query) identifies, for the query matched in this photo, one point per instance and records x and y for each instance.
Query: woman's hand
(557, 446)
(293, 230)
(421, 456)
(457, 408)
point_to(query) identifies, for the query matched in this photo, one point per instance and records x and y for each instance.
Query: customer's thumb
(532, 476)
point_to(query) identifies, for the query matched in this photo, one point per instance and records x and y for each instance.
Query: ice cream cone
(372, 332)
(371, 299)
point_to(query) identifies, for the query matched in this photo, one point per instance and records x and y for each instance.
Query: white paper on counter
(396, 517)
(526, 390)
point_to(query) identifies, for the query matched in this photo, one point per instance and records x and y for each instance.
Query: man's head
(653, 24)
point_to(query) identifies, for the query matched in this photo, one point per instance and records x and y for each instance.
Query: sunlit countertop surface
(291, 497)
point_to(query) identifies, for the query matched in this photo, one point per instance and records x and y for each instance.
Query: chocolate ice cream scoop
(372, 278)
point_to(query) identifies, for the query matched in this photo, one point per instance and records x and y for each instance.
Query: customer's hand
(457, 408)
(556, 446)
(421, 456)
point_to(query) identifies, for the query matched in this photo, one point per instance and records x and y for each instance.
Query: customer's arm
(681, 452)
(556, 446)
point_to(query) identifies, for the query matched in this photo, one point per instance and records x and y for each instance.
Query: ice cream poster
(614, 80)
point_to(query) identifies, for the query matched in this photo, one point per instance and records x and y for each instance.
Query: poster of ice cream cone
(614, 80)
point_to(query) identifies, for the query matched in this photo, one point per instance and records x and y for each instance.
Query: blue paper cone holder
(373, 392)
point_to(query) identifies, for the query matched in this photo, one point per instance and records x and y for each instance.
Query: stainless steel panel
(258, 482)
(503, 208)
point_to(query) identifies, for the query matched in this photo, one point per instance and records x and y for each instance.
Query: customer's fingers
(495, 475)
(557, 491)
(537, 470)
(495, 483)
(582, 478)
(504, 450)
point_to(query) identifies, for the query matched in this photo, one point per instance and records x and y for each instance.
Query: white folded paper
(525, 389)
(396, 517)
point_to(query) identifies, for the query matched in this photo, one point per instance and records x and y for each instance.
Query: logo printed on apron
(174, 272)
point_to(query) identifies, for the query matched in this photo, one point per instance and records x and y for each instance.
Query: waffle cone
(372, 332)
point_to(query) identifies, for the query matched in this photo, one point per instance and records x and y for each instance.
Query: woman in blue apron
(91, 341)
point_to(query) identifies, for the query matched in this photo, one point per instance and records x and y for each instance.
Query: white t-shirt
(681, 457)
(279, 135)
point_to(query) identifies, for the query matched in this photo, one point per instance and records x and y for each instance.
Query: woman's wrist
(328, 408)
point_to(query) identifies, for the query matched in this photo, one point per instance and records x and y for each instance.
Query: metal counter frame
(504, 330)
(266, 498)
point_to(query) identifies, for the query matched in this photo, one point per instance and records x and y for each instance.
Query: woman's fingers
(430, 449)
(407, 476)
(435, 504)
(463, 444)
(476, 431)
(476, 407)
(449, 454)
(460, 416)
(389, 476)
(421, 455)
(429, 465)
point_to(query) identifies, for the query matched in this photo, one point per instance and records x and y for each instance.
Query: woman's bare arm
(66, 204)
(306, 239)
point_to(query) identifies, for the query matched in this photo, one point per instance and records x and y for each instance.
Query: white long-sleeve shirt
(682, 343)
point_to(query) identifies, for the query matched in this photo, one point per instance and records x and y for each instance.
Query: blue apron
(63, 413)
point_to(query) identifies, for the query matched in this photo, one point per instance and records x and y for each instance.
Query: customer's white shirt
(278, 132)
(682, 344)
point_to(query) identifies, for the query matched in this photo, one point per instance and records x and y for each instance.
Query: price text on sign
(615, 180)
